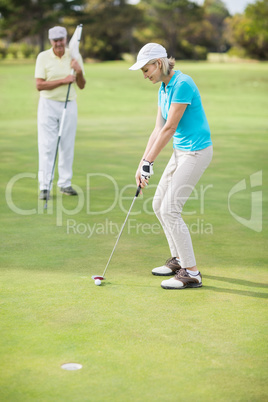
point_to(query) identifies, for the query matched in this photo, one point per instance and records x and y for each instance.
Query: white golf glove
(147, 169)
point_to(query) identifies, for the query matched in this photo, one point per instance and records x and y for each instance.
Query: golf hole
(71, 366)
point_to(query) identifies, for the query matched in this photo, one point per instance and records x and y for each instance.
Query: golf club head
(101, 278)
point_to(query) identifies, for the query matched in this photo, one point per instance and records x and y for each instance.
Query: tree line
(113, 28)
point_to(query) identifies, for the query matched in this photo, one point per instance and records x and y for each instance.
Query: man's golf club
(96, 277)
(61, 125)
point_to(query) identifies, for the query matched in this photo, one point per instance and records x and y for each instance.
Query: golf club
(101, 277)
(61, 125)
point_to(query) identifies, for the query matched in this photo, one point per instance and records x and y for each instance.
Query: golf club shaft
(52, 173)
(121, 231)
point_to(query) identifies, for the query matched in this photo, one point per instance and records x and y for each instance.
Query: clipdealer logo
(87, 202)
(108, 227)
(241, 189)
(255, 220)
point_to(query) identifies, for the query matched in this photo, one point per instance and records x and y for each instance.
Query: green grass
(136, 341)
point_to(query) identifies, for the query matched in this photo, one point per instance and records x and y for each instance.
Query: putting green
(135, 341)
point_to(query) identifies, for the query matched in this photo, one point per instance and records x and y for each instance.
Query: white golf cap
(57, 33)
(149, 52)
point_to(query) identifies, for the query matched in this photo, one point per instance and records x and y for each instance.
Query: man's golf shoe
(68, 191)
(43, 195)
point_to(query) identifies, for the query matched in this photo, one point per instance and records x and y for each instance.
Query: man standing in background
(53, 75)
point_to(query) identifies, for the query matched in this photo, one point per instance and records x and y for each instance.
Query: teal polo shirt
(193, 132)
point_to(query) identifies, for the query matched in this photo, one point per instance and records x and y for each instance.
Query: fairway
(135, 341)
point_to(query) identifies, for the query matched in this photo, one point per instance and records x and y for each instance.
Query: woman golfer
(181, 116)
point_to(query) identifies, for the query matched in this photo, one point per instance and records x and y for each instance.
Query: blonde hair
(167, 64)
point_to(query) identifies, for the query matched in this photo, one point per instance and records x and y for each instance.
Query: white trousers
(181, 175)
(49, 118)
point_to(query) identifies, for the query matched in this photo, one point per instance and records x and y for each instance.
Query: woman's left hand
(141, 181)
(147, 169)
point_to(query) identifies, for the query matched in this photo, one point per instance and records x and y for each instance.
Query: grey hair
(167, 64)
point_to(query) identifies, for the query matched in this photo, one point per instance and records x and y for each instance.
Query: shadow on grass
(236, 281)
(248, 293)
(128, 285)
(237, 292)
(205, 287)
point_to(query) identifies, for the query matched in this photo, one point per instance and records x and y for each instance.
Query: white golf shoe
(170, 268)
(182, 280)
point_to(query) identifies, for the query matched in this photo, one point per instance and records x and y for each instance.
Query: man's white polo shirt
(50, 67)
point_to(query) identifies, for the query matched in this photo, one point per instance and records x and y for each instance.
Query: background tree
(215, 14)
(171, 23)
(250, 31)
(19, 19)
(115, 27)
(108, 27)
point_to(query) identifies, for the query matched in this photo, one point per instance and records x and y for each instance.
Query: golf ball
(98, 282)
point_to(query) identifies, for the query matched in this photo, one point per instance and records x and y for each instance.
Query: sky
(234, 6)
